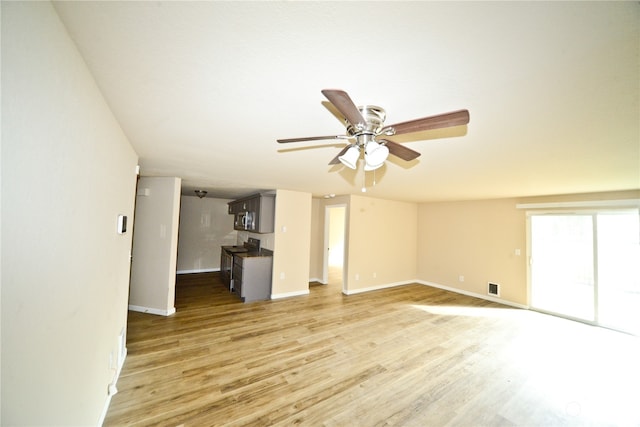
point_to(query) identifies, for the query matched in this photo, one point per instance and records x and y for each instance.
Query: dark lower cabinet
(252, 277)
(226, 264)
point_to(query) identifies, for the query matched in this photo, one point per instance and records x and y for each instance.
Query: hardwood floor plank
(405, 356)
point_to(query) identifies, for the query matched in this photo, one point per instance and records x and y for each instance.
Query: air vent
(494, 289)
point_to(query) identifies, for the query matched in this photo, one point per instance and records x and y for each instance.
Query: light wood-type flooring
(405, 356)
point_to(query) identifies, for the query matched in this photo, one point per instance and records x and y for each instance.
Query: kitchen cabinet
(247, 204)
(241, 205)
(252, 275)
(254, 213)
(226, 264)
(234, 208)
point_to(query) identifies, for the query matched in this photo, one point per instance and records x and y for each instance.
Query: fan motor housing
(374, 117)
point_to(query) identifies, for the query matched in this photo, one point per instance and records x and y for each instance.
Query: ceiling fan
(367, 133)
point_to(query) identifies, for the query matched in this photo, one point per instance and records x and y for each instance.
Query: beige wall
(478, 240)
(155, 246)
(381, 243)
(205, 226)
(291, 244)
(67, 172)
(316, 245)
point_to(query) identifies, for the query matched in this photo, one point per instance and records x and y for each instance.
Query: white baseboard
(290, 294)
(473, 294)
(202, 270)
(152, 310)
(439, 286)
(377, 287)
(107, 402)
(408, 282)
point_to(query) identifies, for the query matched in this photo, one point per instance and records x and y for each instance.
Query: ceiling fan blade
(341, 100)
(336, 160)
(400, 150)
(454, 118)
(312, 138)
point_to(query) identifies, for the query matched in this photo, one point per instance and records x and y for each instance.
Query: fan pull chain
(364, 181)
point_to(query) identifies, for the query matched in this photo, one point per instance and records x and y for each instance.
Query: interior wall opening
(334, 245)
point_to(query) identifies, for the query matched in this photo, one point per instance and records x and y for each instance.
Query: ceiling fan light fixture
(200, 193)
(375, 155)
(350, 158)
(366, 123)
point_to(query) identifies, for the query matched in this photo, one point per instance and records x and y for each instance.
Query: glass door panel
(562, 265)
(618, 240)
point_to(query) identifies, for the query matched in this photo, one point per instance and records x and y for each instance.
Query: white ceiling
(204, 89)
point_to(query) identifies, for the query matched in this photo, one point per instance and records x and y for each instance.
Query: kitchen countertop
(235, 249)
(260, 253)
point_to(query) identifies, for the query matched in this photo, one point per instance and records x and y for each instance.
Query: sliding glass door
(562, 265)
(619, 271)
(587, 267)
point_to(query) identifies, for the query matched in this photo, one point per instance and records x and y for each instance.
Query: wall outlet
(282, 275)
(357, 276)
(461, 278)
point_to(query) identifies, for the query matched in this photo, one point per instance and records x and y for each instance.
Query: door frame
(592, 211)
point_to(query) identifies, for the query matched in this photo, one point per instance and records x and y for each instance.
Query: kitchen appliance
(245, 221)
(226, 258)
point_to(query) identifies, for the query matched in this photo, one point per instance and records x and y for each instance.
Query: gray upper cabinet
(233, 208)
(240, 205)
(254, 213)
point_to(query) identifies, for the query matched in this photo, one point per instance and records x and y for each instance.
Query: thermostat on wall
(122, 224)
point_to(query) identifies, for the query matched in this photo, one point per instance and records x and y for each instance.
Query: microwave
(245, 221)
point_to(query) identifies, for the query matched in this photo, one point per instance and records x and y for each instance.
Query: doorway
(585, 266)
(334, 245)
